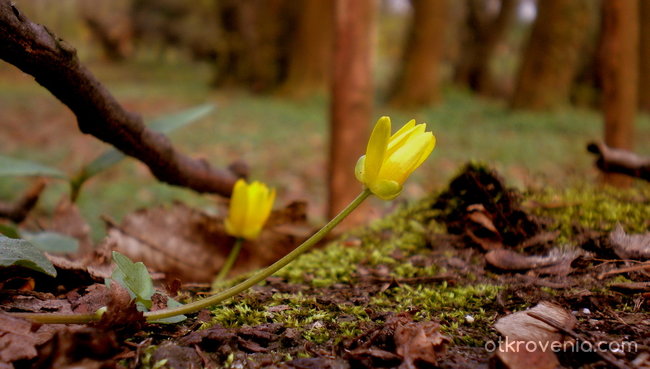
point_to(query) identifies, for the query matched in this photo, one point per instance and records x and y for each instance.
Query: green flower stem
(230, 261)
(217, 298)
(54, 318)
(264, 273)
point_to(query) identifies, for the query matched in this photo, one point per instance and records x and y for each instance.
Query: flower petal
(399, 140)
(250, 207)
(410, 124)
(376, 150)
(407, 158)
(238, 208)
(431, 144)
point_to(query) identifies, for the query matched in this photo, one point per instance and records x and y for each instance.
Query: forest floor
(441, 282)
(425, 284)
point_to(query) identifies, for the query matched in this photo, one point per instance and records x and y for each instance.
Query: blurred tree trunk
(619, 56)
(417, 80)
(587, 87)
(644, 56)
(483, 35)
(551, 57)
(109, 24)
(311, 51)
(351, 104)
(253, 50)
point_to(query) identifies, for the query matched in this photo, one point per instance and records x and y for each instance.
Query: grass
(284, 141)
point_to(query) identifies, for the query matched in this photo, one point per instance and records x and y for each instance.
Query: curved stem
(230, 261)
(215, 299)
(264, 273)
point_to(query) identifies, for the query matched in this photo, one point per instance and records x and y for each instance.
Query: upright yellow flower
(389, 160)
(250, 207)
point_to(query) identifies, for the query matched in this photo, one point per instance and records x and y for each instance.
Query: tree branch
(620, 161)
(54, 64)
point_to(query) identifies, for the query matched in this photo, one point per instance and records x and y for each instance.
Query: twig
(606, 356)
(19, 210)
(54, 64)
(633, 268)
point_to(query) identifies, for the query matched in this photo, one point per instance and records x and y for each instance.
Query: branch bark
(613, 160)
(54, 64)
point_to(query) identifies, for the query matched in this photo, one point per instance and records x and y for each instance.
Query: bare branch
(620, 161)
(54, 64)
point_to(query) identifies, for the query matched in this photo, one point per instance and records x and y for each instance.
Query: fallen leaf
(33, 301)
(178, 357)
(630, 246)
(17, 341)
(480, 216)
(79, 347)
(398, 342)
(529, 343)
(419, 342)
(557, 262)
(487, 243)
(122, 313)
(160, 236)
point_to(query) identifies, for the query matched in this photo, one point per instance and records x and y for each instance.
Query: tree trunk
(551, 57)
(483, 37)
(619, 72)
(252, 51)
(311, 52)
(109, 24)
(417, 81)
(351, 104)
(644, 55)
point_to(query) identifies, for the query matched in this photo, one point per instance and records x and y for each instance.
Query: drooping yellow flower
(250, 207)
(389, 160)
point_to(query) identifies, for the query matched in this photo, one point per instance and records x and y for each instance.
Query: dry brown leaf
(630, 246)
(191, 245)
(419, 342)
(16, 340)
(492, 242)
(480, 216)
(79, 347)
(529, 343)
(557, 262)
(121, 312)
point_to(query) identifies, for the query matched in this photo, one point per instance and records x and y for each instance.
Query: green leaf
(135, 277)
(111, 157)
(52, 241)
(17, 167)
(172, 122)
(171, 303)
(22, 253)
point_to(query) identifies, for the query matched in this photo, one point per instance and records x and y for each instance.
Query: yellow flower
(389, 160)
(250, 207)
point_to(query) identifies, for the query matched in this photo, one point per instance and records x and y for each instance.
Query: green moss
(402, 230)
(596, 208)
